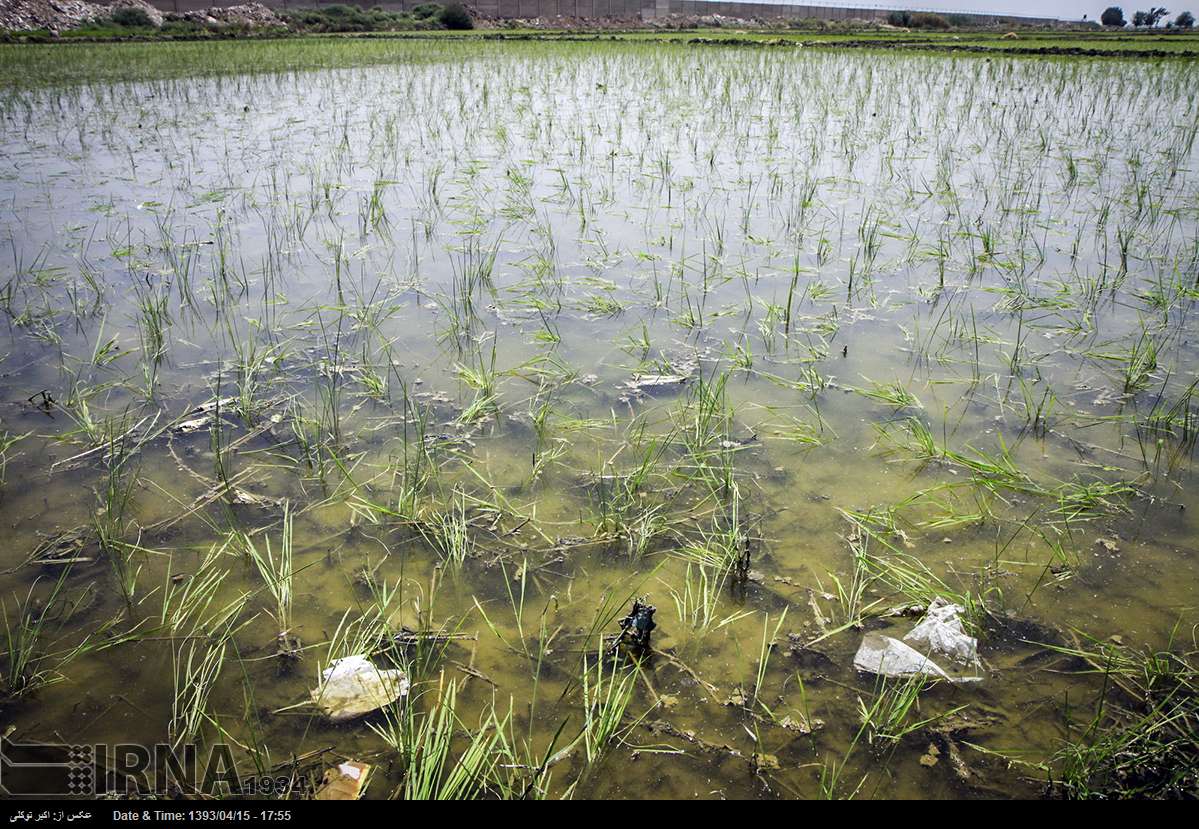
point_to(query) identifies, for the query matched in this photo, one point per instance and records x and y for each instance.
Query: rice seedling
(606, 695)
(698, 601)
(191, 606)
(902, 572)
(7, 442)
(1140, 363)
(724, 551)
(449, 532)
(31, 661)
(424, 744)
(197, 668)
(888, 717)
(893, 394)
(1138, 741)
(278, 573)
(112, 521)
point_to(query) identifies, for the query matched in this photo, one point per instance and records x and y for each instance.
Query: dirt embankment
(942, 46)
(56, 15)
(621, 24)
(59, 15)
(247, 14)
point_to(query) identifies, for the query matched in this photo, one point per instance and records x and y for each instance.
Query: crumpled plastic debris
(352, 687)
(643, 384)
(885, 656)
(941, 632)
(938, 647)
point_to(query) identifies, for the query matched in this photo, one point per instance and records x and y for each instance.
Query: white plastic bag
(938, 647)
(353, 686)
(883, 655)
(940, 632)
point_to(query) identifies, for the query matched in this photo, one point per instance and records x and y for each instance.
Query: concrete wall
(624, 9)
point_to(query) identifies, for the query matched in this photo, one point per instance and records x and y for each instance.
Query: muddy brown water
(359, 240)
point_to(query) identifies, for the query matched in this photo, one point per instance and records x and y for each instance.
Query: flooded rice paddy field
(475, 344)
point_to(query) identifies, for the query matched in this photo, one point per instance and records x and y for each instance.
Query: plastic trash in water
(938, 647)
(885, 656)
(353, 686)
(941, 632)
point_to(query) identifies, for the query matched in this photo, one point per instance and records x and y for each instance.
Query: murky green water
(420, 290)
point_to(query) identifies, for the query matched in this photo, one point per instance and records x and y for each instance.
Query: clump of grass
(892, 394)
(455, 16)
(901, 571)
(339, 17)
(30, 661)
(132, 17)
(112, 519)
(448, 531)
(277, 571)
(698, 600)
(1140, 741)
(606, 693)
(724, 550)
(888, 718)
(424, 744)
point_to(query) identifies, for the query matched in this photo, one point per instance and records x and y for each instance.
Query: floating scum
(428, 358)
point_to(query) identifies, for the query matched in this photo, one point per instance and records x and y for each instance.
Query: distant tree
(1156, 14)
(1150, 18)
(1112, 16)
(455, 16)
(427, 10)
(131, 17)
(1186, 20)
(927, 20)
